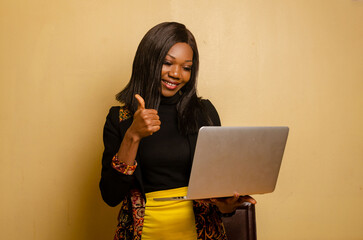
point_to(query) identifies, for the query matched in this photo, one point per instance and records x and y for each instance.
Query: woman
(150, 140)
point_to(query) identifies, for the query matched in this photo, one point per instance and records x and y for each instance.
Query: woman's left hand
(230, 204)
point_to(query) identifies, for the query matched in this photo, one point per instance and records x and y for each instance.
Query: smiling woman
(176, 69)
(151, 58)
(150, 142)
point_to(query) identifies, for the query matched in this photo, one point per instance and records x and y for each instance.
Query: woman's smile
(170, 85)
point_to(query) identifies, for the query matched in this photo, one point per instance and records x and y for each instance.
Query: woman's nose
(175, 72)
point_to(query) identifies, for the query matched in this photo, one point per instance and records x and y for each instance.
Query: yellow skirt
(170, 220)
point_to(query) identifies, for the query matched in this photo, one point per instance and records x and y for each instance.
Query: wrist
(131, 137)
(226, 208)
(227, 211)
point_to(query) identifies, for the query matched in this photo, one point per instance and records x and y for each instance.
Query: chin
(168, 93)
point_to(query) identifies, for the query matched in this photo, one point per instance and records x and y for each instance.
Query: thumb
(141, 101)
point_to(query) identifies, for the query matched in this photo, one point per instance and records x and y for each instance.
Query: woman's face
(176, 70)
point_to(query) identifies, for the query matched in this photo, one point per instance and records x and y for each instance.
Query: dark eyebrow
(174, 58)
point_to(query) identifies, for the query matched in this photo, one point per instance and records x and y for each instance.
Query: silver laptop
(245, 160)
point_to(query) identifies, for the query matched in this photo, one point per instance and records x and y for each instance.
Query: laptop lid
(246, 160)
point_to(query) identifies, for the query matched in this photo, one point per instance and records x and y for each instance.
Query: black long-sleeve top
(164, 157)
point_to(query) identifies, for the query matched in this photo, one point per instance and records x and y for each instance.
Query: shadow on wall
(94, 219)
(99, 219)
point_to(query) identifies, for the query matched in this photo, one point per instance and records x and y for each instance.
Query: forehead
(182, 51)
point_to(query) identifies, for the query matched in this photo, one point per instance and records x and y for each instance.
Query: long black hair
(146, 75)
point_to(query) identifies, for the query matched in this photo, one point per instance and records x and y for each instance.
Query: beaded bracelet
(123, 167)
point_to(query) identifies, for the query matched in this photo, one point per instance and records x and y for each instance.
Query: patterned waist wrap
(131, 218)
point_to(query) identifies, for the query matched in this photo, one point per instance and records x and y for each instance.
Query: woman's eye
(167, 63)
(188, 69)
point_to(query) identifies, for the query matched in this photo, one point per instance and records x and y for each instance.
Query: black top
(164, 157)
(114, 185)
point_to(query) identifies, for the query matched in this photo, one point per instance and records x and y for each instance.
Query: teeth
(170, 84)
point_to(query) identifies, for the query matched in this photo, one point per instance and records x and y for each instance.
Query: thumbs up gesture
(146, 121)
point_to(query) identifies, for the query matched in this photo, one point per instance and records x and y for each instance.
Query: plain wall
(279, 62)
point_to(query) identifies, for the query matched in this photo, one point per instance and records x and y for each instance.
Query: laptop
(245, 160)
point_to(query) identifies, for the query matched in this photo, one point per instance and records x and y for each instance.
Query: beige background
(279, 62)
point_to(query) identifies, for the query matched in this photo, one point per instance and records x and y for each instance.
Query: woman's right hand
(146, 121)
